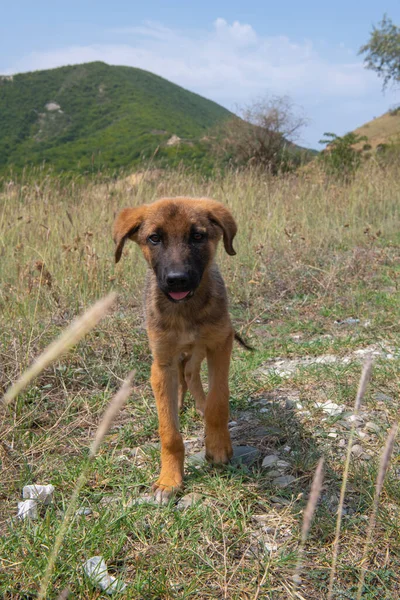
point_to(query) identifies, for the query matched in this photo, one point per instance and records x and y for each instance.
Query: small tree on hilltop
(262, 135)
(382, 52)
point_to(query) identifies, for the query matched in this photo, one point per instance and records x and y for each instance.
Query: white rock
(27, 509)
(269, 461)
(330, 408)
(96, 570)
(42, 493)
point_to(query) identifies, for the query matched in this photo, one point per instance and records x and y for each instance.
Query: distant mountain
(95, 116)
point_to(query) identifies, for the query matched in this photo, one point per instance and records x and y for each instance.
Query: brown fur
(183, 334)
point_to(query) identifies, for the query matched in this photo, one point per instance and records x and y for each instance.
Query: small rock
(261, 432)
(356, 419)
(261, 519)
(144, 499)
(245, 455)
(108, 500)
(96, 570)
(273, 473)
(263, 410)
(27, 509)
(270, 547)
(287, 449)
(85, 511)
(283, 481)
(232, 423)
(342, 443)
(189, 500)
(348, 321)
(357, 450)
(383, 397)
(372, 427)
(278, 500)
(269, 461)
(330, 408)
(262, 401)
(42, 493)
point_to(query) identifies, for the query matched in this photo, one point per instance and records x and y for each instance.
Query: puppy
(187, 319)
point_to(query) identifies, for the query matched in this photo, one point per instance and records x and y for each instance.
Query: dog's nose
(176, 279)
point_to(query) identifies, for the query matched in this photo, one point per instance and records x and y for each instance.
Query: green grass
(308, 253)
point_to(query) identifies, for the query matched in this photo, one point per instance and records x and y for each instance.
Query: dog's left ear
(221, 216)
(126, 226)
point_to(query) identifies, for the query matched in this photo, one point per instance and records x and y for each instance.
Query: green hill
(95, 116)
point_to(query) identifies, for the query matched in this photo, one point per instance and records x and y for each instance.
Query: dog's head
(178, 237)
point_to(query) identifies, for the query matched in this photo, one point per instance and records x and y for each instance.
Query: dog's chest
(185, 340)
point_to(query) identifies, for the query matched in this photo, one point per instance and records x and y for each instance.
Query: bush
(340, 158)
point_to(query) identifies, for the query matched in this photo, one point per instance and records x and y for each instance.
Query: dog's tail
(242, 342)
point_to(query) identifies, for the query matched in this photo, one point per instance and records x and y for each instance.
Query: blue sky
(230, 51)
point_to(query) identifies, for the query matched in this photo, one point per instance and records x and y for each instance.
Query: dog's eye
(198, 236)
(155, 238)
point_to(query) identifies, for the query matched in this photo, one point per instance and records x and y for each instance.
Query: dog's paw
(165, 488)
(219, 448)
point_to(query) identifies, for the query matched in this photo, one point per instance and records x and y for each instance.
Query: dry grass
(382, 130)
(308, 252)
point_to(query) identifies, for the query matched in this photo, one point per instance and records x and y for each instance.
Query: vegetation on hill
(94, 116)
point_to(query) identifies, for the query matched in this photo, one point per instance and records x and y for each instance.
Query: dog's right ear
(126, 225)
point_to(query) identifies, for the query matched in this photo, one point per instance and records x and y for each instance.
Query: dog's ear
(221, 216)
(127, 225)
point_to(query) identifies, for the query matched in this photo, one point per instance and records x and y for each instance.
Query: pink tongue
(178, 295)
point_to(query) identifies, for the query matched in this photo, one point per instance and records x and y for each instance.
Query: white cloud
(232, 64)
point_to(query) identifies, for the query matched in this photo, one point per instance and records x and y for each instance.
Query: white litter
(42, 493)
(96, 570)
(27, 509)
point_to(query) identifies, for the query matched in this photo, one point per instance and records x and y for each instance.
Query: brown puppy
(187, 319)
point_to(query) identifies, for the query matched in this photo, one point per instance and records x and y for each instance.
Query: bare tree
(263, 134)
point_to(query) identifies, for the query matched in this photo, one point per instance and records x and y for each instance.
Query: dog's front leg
(164, 381)
(216, 414)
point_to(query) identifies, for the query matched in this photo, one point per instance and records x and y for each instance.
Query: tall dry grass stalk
(308, 516)
(383, 468)
(112, 410)
(71, 336)
(365, 376)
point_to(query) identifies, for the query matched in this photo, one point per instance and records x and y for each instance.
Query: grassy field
(311, 254)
